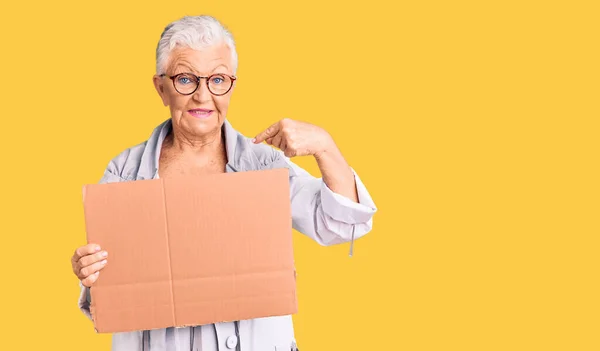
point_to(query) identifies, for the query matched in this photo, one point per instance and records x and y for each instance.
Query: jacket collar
(150, 158)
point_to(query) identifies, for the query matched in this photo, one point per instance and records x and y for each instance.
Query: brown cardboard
(191, 250)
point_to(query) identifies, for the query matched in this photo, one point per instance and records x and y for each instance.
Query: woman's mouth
(200, 112)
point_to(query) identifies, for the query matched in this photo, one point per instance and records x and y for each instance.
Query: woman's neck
(193, 146)
(208, 154)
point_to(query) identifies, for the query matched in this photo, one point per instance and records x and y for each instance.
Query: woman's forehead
(200, 61)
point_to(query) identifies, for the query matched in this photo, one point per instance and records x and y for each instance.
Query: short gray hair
(196, 32)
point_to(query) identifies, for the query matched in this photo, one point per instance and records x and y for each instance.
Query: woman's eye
(217, 80)
(184, 80)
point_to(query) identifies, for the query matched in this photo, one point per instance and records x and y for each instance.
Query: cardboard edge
(84, 190)
(93, 313)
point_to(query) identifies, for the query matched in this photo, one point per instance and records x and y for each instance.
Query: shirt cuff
(342, 209)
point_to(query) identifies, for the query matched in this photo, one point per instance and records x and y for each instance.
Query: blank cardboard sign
(191, 250)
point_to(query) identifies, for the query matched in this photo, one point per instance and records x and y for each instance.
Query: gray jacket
(324, 216)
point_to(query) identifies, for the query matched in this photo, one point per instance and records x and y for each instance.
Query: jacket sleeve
(110, 176)
(325, 216)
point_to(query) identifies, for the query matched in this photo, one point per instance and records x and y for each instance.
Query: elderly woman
(196, 65)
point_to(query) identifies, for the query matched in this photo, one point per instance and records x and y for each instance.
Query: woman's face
(201, 113)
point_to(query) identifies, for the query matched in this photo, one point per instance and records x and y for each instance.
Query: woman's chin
(204, 125)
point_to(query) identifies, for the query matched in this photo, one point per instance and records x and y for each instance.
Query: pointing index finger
(268, 133)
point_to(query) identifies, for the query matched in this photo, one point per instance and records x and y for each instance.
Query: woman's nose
(202, 93)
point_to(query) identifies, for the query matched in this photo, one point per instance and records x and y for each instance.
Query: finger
(89, 281)
(91, 259)
(92, 269)
(290, 151)
(283, 145)
(269, 141)
(277, 140)
(269, 132)
(84, 251)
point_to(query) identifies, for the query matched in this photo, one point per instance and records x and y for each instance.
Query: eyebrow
(189, 68)
(221, 65)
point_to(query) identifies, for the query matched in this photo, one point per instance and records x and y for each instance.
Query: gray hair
(196, 32)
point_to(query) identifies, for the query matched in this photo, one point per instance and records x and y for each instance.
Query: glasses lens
(219, 84)
(185, 83)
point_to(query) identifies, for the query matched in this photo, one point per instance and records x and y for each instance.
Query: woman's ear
(160, 89)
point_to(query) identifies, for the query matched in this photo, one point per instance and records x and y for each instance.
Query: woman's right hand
(87, 261)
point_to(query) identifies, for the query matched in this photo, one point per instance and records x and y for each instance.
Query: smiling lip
(200, 112)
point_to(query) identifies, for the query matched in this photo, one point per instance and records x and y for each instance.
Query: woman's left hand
(296, 138)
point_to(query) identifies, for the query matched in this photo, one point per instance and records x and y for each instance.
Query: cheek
(222, 103)
(179, 103)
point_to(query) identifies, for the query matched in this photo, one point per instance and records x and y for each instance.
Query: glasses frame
(199, 78)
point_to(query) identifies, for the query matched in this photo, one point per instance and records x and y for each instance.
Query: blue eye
(184, 80)
(217, 80)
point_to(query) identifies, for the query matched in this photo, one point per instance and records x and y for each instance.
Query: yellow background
(474, 124)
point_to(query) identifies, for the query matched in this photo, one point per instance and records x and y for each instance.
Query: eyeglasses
(187, 83)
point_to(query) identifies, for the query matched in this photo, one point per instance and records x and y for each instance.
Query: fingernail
(254, 140)
(104, 254)
(97, 248)
(97, 273)
(103, 262)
